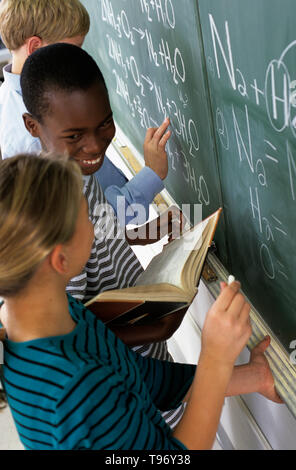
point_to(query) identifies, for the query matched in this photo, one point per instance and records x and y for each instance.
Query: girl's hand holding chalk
(231, 279)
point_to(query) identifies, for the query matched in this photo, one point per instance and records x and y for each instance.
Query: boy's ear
(31, 125)
(32, 44)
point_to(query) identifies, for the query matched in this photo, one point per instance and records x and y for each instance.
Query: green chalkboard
(224, 72)
(250, 54)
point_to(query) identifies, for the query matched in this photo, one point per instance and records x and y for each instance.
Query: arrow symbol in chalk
(140, 32)
(148, 80)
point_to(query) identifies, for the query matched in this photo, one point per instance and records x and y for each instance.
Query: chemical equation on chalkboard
(278, 93)
(163, 11)
(277, 96)
(268, 229)
(161, 54)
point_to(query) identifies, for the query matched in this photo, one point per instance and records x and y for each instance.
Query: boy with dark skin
(80, 123)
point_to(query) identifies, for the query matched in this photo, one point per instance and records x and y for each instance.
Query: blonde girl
(70, 382)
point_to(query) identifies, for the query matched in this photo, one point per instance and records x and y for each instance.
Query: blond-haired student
(25, 26)
(70, 382)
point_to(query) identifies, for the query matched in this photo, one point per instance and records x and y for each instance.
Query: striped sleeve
(96, 411)
(78, 285)
(167, 382)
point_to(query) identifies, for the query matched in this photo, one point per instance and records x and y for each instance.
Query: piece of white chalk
(231, 279)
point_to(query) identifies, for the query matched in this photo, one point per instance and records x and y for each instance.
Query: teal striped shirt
(87, 390)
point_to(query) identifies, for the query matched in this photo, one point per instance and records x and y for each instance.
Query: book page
(167, 266)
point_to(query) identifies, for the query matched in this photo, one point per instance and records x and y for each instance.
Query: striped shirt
(112, 265)
(87, 390)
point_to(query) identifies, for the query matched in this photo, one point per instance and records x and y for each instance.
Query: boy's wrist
(148, 180)
(162, 174)
(247, 378)
(260, 376)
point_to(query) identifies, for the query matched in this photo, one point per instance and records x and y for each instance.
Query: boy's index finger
(150, 133)
(163, 140)
(162, 128)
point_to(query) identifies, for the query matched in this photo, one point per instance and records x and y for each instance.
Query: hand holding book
(171, 223)
(168, 284)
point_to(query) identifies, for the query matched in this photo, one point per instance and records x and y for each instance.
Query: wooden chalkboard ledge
(283, 370)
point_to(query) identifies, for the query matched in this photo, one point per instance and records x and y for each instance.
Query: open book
(168, 284)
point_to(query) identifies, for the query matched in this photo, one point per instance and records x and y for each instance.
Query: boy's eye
(107, 123)
(73, 137)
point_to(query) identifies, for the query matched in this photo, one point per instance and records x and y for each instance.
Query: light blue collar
(13, 80)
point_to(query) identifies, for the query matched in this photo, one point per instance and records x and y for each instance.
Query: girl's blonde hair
(51, 20)
(40, 198)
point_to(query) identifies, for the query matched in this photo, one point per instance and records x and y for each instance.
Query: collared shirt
(14, 139)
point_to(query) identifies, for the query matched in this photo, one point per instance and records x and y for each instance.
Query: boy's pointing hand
(154, 148)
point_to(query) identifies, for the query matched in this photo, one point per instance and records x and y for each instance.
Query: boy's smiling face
(78, 123)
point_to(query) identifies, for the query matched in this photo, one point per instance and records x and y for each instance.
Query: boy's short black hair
(58, 66)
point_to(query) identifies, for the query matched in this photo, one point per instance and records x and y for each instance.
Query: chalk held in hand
(231, 279)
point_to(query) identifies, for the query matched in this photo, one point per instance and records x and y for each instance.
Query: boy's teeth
(91, 162)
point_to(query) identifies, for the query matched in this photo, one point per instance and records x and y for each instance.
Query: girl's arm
(225, 333)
